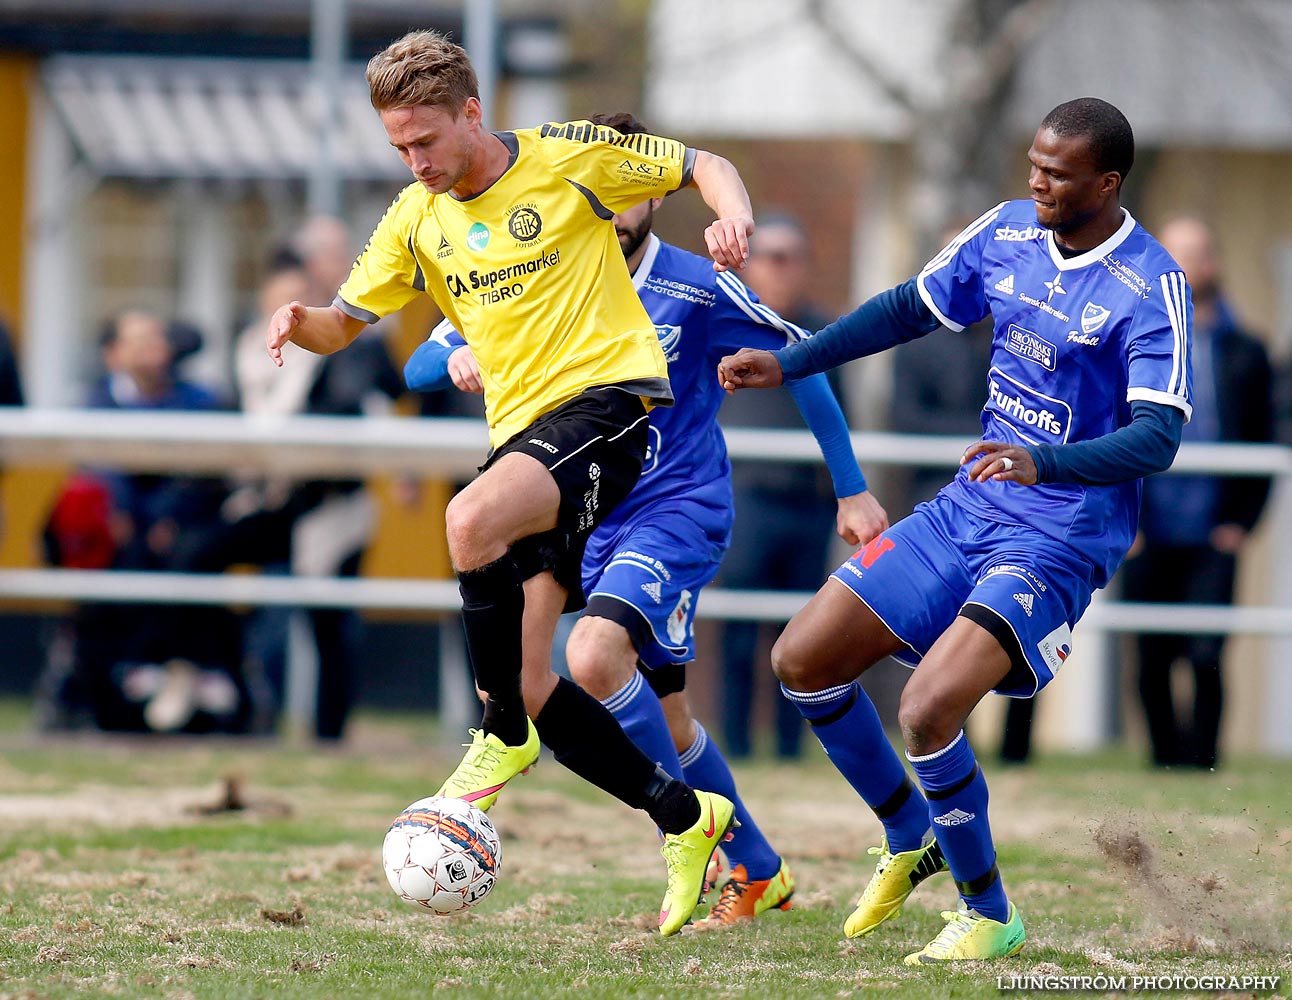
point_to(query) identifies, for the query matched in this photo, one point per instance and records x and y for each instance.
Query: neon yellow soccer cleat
(896, 875)
(687, 856)
(743, 898)
(967, 937)
(488, 765)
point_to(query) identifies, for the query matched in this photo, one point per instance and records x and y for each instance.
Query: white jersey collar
(1090, 256)
(647, 262)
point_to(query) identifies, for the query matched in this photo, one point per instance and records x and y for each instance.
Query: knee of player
(464, 528)
(925, 729)
(791, 663)
(591, 666)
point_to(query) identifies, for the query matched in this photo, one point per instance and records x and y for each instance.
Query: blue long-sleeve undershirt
(816, 401)
(427, 369)
(1146, 445)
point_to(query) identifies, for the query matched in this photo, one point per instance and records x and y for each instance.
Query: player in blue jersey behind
(979, 588)
(647, 562)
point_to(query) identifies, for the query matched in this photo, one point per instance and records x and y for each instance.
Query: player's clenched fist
(282, 324)
(728, 242)
(750, 369)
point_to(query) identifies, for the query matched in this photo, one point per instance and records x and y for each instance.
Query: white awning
(211, 118)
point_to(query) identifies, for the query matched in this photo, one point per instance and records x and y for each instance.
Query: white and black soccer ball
(442, 854)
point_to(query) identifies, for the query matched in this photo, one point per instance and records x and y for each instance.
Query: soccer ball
(442, 854)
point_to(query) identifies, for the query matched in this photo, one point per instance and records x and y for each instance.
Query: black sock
(493, 604)
(584, 736)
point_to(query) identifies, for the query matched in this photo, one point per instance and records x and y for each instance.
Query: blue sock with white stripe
(957, 794)
(637, 710)
(704, 767)
(844, 719)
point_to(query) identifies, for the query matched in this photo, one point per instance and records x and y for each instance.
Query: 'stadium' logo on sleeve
(1011, 234)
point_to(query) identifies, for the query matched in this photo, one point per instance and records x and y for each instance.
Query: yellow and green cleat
(896, 876)
(687, 856)
(743, 898)
(488, 765)
(968, 937)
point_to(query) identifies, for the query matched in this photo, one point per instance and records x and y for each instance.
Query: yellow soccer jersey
(530, 270)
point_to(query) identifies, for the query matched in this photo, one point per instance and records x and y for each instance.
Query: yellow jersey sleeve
(386, 276)
(617, 170)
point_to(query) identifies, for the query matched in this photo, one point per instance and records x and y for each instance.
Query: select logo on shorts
(1030, 347)
(553, 449)
(1056, 647)
(478, 236)
(1036, 417)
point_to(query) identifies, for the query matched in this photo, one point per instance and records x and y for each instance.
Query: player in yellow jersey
(511, 233)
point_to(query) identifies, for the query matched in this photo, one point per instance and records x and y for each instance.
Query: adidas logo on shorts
(652, 589)
(1026, 601)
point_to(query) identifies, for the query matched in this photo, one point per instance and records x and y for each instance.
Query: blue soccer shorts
(943, 561)
(648, 577)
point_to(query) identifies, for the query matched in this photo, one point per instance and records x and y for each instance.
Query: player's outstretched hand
(282, 324)
(999, 461)
(728, 242)
(464, 370)
(750, 369)
(860, 518)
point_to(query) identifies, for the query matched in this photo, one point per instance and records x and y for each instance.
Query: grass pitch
(123, 875)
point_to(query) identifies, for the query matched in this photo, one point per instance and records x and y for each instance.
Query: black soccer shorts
(594, 446)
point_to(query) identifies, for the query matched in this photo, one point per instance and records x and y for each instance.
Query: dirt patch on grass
(1184, 906)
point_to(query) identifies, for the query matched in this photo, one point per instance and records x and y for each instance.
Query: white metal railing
(398, 594)
(321, 447)
(345, 446)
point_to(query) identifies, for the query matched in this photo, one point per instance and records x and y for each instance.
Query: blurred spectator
(10, 383)
(315, 527)
(937, 389)
(130, 666)
(784, 511)
(1192, 527)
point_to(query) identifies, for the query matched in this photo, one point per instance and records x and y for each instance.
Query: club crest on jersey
(525, 224)
(669, 338)
(1093, 317)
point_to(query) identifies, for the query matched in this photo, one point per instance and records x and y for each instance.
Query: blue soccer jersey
(1077, 340)
(701, 316)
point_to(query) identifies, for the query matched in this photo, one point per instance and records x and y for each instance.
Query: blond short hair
(423, 67)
